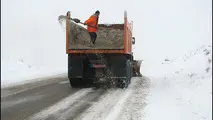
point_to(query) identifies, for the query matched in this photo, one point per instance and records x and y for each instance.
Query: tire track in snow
(80, 105)
(49, 95)
(61, 105)
(99, 109)
(110, 105)
(117, 108)
(136, 102)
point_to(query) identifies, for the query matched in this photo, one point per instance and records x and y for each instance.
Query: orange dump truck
(111, 59)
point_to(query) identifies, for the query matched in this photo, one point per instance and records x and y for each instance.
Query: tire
(123, 83)
(134, 74)
(75, 82)
(128, 72)
(129, 67)
(131, 73)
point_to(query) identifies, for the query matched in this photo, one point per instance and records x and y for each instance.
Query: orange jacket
(92, 21)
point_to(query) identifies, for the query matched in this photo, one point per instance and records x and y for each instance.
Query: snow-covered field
(182, 89)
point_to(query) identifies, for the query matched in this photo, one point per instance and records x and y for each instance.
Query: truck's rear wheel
(123, 83)
(76, 82)
(128, 71)
(131, 73)
(126, 81)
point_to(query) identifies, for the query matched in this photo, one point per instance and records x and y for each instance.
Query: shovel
(78, 21)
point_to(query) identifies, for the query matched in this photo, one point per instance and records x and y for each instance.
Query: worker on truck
(92, 23)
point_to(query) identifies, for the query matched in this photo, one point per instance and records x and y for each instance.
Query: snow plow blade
(136, 68)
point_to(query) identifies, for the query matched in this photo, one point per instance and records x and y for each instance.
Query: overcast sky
(29, 28)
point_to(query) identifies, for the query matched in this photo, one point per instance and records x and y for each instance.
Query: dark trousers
(93, 37)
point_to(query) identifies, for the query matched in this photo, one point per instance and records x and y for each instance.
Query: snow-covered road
(57, 100)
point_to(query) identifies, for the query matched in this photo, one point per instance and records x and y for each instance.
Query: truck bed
(114, 38)
(108, 37)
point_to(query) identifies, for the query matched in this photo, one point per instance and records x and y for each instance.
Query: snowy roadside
(184, 90)
(33, 80)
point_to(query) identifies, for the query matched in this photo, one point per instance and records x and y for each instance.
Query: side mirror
(133, 40)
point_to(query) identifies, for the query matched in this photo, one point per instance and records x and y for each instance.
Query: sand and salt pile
(107, 38)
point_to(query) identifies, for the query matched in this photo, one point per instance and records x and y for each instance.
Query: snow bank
(183, 91)
(15, 71)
